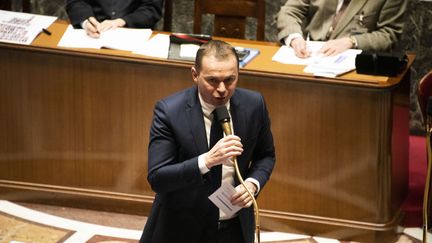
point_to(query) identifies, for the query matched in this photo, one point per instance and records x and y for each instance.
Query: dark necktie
(338, 17)
(216, 133)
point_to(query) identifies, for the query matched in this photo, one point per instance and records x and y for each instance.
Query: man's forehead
(211, 62)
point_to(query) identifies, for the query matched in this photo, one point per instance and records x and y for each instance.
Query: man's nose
(221, 87)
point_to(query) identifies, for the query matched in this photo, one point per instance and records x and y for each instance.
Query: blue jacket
(181, 208)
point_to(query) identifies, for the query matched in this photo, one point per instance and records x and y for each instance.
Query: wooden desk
(74, 131)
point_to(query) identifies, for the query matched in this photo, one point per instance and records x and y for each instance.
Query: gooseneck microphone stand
(223, 117)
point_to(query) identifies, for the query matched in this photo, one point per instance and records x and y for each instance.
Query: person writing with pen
(97, 16)
(343, 24)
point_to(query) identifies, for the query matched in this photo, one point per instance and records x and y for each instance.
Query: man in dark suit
(370, 25)
(182, 162)
(96, 16)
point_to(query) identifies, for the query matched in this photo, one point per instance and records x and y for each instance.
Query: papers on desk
(189, 50)
(120, 39)
(319, 65)
(22, 28)
(157, 46)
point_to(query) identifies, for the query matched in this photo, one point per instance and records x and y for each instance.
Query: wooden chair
(168, 8)
(424, 94)
(230, 16)
(7, 5)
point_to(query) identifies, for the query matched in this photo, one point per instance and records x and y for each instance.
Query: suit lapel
(350, 12)
(196, 121)
(238, 117)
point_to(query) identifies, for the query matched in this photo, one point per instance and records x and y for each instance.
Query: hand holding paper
(222, 199)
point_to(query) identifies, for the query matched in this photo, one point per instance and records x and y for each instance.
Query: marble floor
(24, 223)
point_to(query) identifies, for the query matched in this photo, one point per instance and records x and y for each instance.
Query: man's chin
(219, 102)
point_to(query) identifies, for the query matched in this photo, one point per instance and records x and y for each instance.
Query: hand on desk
(330, 48)
(300, 47)
(336, 46)
(94, 28)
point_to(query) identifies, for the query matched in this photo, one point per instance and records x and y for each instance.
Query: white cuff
(256, 183)
(291, 37)
(84, 23)
(201, 164)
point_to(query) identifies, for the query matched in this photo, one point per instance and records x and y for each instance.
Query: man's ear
(194, 74)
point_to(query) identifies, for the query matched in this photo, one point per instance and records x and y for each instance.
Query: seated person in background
(373, 25)
(96, 16)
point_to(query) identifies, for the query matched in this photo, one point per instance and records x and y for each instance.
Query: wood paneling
(74, 131)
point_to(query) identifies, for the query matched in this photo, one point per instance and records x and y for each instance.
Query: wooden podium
(75, 124)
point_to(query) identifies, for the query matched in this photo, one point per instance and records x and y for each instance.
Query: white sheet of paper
(125, 38)
(189, 50)
(157, 46)
(120, 39)
(77, 38)
(22, 28)
(286, 55)
(328, 66)
(222, 199)
(333, 66)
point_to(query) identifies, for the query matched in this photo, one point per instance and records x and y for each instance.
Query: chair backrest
(230, 16)
(168, 9)
(424, 91)
(7, 5)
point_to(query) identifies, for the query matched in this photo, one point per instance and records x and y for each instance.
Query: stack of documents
(22, 28)
(120, 39)
(318, 65)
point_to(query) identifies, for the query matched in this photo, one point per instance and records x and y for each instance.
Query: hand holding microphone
(241, 197)
(222, 152)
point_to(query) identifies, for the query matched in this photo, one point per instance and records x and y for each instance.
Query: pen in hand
(91, 27)
(306, 51)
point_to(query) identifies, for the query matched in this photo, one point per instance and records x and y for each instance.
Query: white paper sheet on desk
(22, 28)
(188, 50)
(126, 39)
(157, 46)
(333, 66)
(329, 66)
(286, 55)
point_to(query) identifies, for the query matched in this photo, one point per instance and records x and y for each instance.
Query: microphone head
(221, 113)
(429, 106)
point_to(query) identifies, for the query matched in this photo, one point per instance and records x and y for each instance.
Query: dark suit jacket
(376, 24)
(136, 13)
(181, 208)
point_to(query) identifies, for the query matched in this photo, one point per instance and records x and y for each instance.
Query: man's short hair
(218, 49)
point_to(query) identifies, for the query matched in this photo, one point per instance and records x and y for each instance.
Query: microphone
(222, 116)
